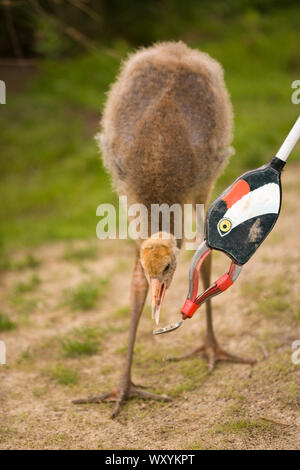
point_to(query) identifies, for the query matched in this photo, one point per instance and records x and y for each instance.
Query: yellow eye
(224, 226)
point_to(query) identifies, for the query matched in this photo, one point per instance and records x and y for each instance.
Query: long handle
(289, 142)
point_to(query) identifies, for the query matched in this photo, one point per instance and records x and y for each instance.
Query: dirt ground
(67, 342)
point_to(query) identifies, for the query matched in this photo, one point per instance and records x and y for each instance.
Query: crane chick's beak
(158, 290)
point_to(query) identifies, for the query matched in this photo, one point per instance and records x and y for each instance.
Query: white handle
(289, 142)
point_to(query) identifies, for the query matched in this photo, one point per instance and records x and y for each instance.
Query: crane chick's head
(159, 259)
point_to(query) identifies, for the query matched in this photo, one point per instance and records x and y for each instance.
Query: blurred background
(58, 58)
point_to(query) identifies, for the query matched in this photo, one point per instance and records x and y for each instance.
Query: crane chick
(166, 135)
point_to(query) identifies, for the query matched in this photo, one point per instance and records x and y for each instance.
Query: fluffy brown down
(167, 125)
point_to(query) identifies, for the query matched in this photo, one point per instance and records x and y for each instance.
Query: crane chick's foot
(120, 396)
(213, 352)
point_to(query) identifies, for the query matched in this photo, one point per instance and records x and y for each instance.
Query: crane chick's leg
(126, 389)
(210, 347)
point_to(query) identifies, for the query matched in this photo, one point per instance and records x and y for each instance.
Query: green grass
(6, 323)
(52, 178)
(29, 261)
(273, 307)
(247, 427)
(193, 373)
(198, 446)
(235, 410)
(290, 394)
(29, 286)
(270, 299)
(26, 306)
(122, 312)
(86, 294)
(23, 304)
(63, 375)
(254, 289)
(25, 357)
(83, 342)
(20, 297)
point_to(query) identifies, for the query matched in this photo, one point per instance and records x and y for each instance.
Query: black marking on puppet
(244, 239)
(277, 164)
(261, 176)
